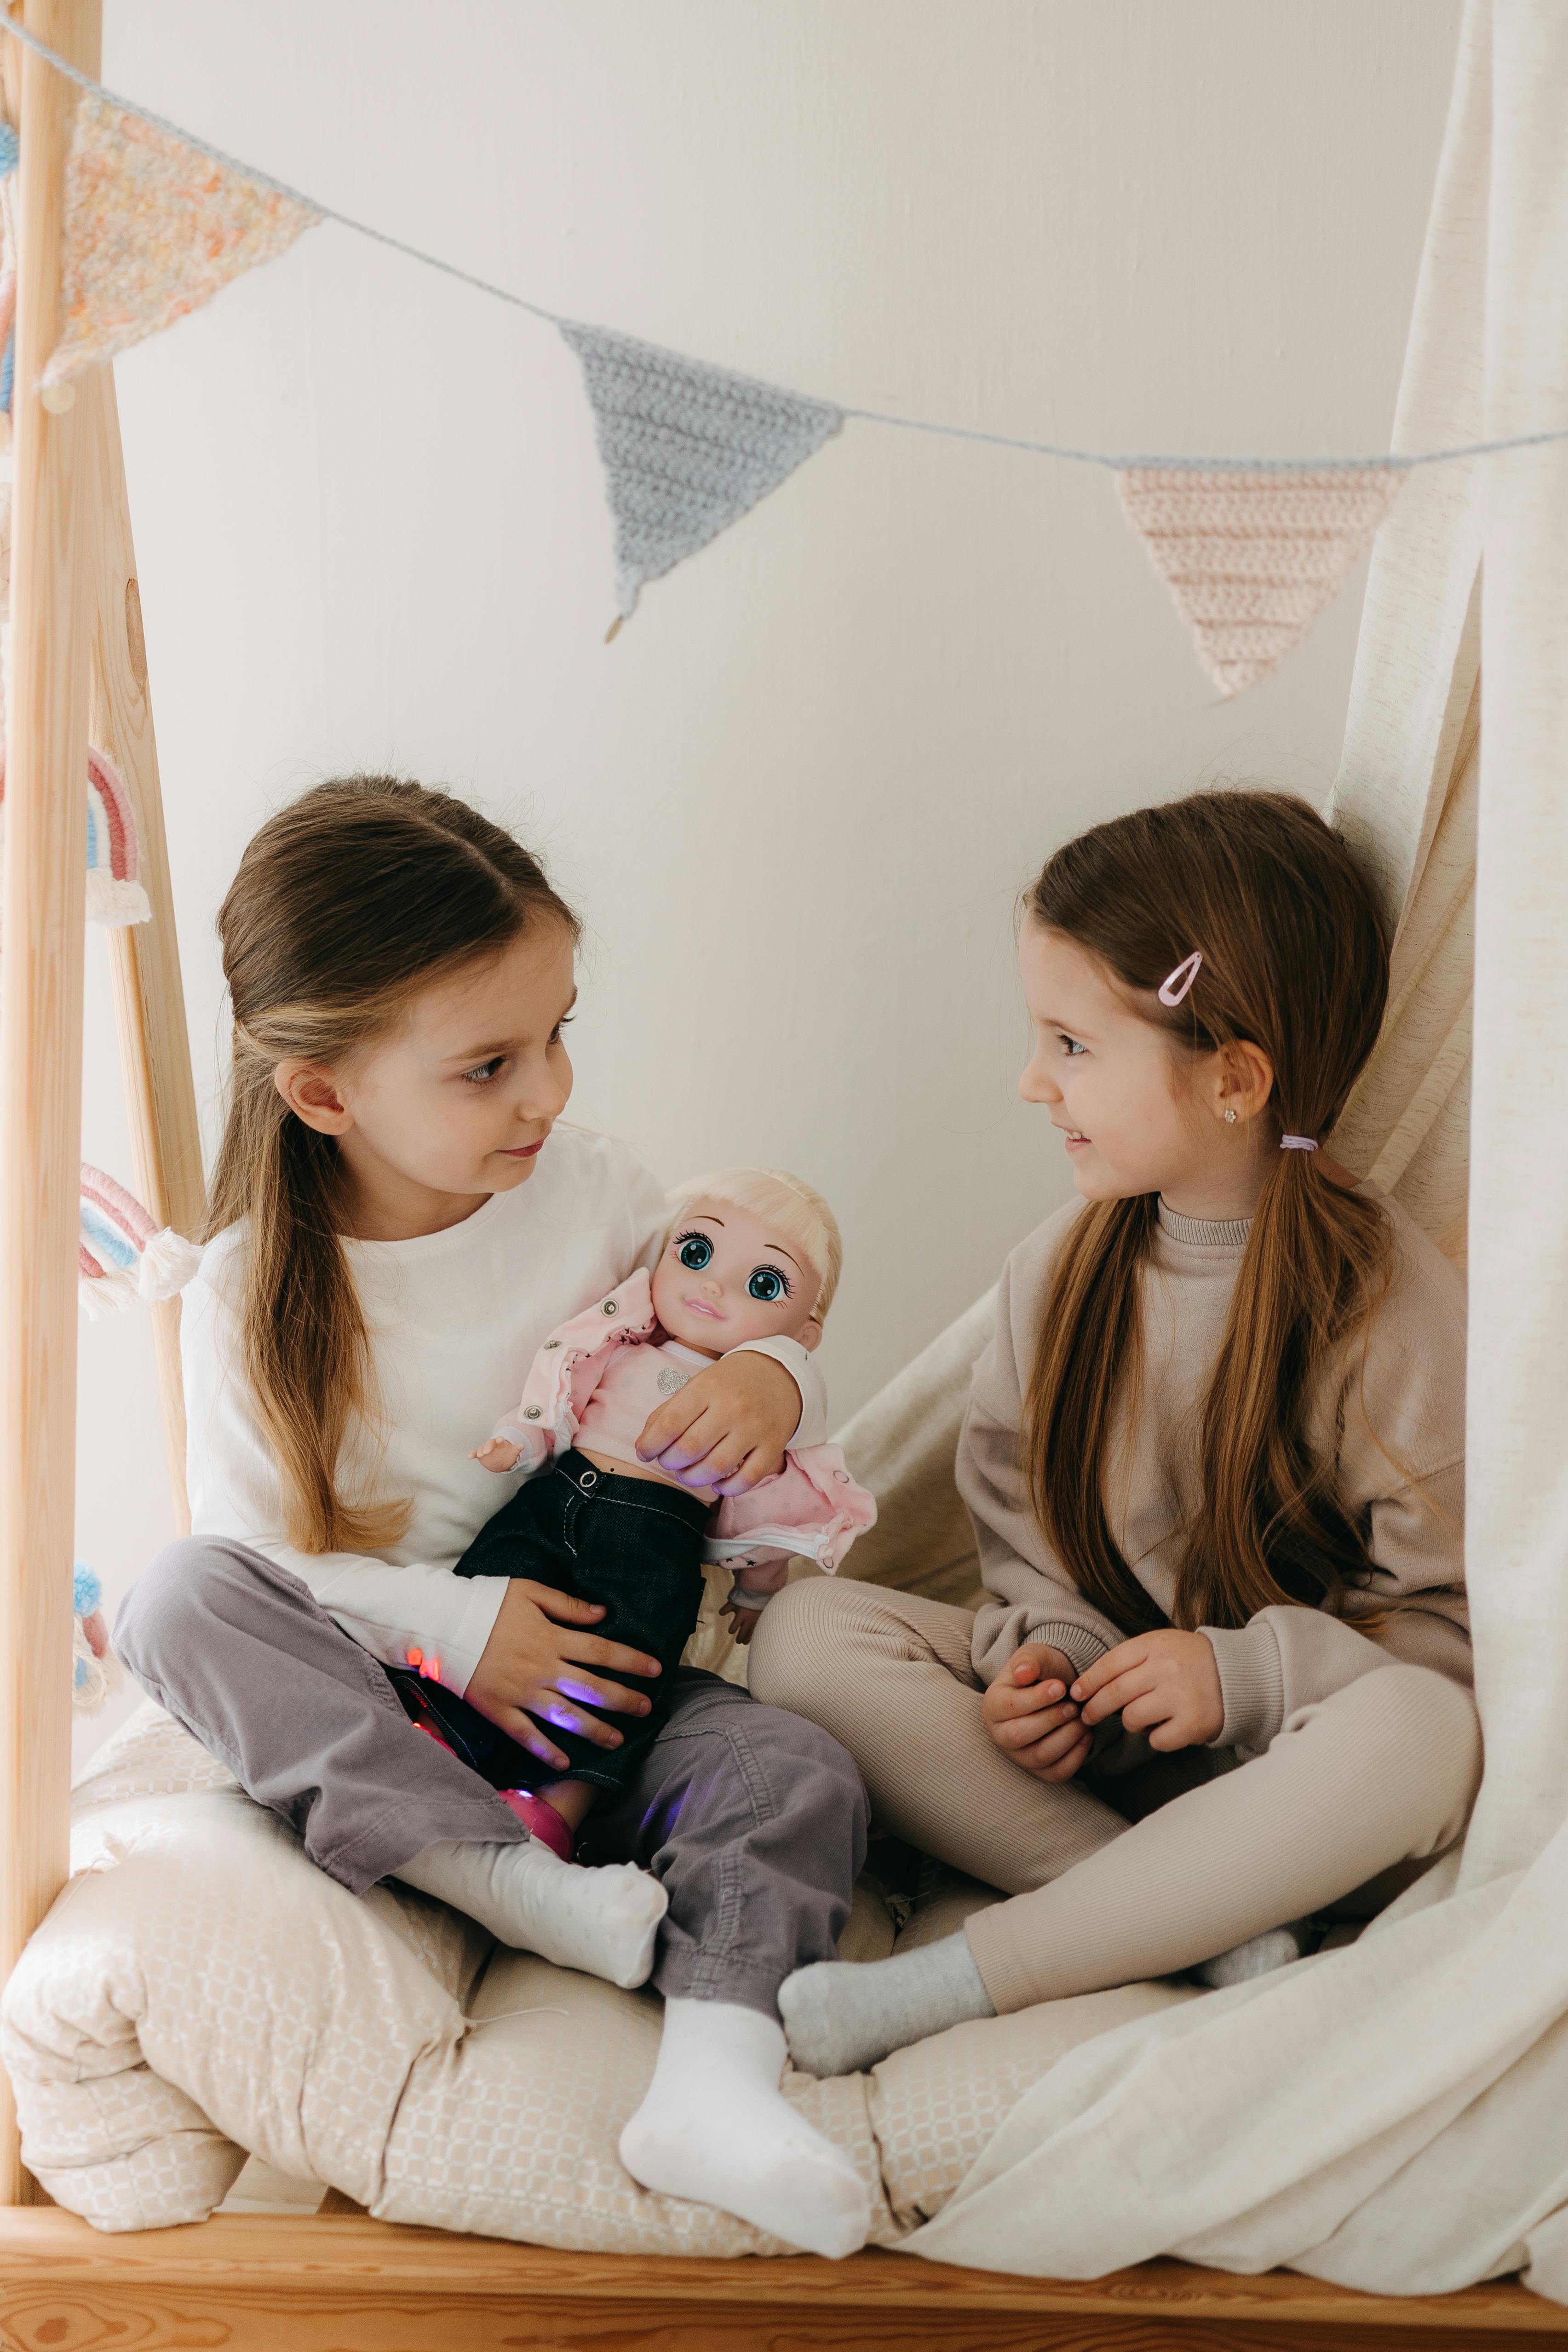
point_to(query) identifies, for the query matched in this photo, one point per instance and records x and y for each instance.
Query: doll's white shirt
(455, 1319)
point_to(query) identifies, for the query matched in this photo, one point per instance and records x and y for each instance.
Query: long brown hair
(1295, 961)
(346, 902)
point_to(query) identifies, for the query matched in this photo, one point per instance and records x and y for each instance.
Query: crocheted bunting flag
(1252, 557)
(688, 449)
(153, 228)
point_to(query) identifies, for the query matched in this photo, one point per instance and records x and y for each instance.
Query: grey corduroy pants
(754, 1819)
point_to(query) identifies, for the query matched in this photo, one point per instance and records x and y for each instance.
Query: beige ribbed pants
(1381, 1773)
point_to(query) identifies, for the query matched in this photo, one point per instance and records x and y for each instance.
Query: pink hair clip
(1175, 985)
(1297, 1143)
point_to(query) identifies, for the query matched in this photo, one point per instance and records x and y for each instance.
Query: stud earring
(1230, 1115)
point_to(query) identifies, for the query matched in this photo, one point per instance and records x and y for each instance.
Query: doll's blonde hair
(800, 1214)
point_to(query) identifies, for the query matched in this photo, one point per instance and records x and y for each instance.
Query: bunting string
(1252, 548)
(1115, 461)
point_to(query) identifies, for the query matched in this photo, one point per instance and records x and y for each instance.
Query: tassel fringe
(115, 903)
(168, 1263)
(96, 1673)
(105, 1295)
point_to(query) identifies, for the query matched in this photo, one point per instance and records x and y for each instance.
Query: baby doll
(751, 1255)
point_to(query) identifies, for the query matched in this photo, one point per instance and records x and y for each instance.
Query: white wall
(797, 797)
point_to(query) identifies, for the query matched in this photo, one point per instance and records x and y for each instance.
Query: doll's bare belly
(617, 1468)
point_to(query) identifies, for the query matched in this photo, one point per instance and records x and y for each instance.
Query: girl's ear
(312, 1095)
(810, 1336)
(1244, 1082)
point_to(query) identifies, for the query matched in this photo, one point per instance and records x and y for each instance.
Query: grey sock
(842, 2015)
(1258, 1957)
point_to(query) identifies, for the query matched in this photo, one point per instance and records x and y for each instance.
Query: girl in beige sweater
(1214, 1456)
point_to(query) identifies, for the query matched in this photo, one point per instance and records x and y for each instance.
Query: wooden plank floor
(346, 2283)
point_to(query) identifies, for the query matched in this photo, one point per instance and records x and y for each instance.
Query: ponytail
(1270, 1525)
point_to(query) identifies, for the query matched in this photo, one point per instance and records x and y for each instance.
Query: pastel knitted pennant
(1251, 559)
(688, 449)
(153, 228)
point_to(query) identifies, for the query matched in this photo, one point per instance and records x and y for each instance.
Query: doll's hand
(743, 1622)
(1165, 1684)
(539, 1658)
(1030, 1717)
(728, 1427)
(496, 1454)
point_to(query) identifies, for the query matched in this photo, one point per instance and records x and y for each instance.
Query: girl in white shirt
(397, 1221)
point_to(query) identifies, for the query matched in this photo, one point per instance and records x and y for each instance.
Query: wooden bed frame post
(144, 958)
(40, 1042)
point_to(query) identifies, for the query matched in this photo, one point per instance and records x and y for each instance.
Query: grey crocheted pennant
(688, 449)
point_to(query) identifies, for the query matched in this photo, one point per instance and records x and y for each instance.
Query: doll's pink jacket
(812, 1508)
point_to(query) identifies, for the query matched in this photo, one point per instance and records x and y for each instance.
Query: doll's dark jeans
(631, 1543)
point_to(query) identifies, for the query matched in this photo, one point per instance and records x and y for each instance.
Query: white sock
(603, 1921)
(842, 2015)
(716, 2127)
(1258, 1957)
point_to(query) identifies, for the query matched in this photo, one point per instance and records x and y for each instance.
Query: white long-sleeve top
(455, 1320)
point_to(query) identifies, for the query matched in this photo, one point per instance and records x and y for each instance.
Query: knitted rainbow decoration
(96, 1673)
(121, 1255)
(114, 896)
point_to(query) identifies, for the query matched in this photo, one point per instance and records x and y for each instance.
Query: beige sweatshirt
(1412, 1517)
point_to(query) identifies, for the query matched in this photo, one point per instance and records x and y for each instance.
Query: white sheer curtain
(1392, 2116)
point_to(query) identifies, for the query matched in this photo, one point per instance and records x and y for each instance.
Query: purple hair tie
(1297, 1143)
(1175, 985)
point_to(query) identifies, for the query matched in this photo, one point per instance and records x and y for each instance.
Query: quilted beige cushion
(936, 2107)
(201, 1990)
(512, 2133)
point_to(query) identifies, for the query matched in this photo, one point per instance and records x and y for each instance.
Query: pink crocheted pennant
(1251, 559)
(152, 229)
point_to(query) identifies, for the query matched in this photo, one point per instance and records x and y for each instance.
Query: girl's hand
(538, 1656)
(1165, 1684)
(496, 1455)
(1030, 1717)
(728, 1427)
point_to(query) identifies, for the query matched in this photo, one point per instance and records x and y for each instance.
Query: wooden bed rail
(331, 2284)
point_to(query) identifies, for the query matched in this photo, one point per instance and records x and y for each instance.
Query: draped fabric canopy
(1395, 2114)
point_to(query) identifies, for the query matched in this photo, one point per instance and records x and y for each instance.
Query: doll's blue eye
(768, 1284)
(696, 1252)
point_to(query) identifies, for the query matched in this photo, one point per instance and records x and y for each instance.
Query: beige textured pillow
(201, 1989)
(512, 2134)
(936, 2107)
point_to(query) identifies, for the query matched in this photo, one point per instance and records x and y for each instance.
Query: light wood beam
(144, 958)
(40, 1043)
(259, 2284)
